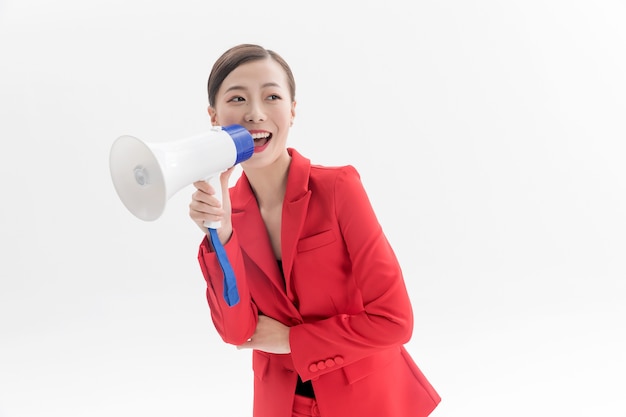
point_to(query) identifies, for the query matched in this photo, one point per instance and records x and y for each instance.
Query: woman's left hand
(270, 336)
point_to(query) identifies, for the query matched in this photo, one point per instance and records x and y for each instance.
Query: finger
(203, 186)
(203, 211)
(206, 194)
(224, 178)
(245, 345)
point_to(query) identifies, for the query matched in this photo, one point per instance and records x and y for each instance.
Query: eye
(272, 97)
(237, 99)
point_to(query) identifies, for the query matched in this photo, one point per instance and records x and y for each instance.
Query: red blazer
(343, 296)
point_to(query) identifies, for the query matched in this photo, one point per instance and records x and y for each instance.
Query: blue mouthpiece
(243, 142)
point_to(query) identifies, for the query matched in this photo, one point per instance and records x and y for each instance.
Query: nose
(254, 112)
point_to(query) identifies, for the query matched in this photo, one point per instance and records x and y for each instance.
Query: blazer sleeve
(235, 324)
(387, 317)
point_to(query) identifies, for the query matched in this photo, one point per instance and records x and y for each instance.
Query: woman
(322, 300)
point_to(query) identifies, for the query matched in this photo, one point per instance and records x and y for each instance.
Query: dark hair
(241, 54)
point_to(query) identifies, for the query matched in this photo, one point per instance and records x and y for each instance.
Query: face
(256, 95)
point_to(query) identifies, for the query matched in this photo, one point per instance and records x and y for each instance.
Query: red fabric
(343, 296)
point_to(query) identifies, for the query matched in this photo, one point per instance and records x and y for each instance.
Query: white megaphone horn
(146, 175)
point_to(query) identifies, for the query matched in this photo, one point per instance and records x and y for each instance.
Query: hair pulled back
(239, 55)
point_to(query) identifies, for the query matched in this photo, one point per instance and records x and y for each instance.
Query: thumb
(224, 182)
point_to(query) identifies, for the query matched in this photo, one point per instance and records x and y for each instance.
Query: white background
(489, 134)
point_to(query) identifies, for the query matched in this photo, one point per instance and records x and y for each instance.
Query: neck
(270, 182)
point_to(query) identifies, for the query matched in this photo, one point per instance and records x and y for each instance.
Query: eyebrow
(239, 87)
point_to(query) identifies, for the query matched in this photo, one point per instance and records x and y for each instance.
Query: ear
(213, 115)
(293, 111)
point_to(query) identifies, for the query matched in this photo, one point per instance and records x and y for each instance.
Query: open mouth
(261, 138)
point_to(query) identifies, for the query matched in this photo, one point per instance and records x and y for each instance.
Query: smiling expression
(256, 95)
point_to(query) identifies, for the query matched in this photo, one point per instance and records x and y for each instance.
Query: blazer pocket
(367, 366)
(259, 364)
(313, 242)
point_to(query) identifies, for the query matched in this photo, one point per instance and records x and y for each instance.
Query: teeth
(260, 135)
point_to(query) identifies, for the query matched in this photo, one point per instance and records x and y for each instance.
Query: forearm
(382, 324)
(235, 324)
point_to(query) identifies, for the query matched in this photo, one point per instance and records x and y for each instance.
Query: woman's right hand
(205, 207)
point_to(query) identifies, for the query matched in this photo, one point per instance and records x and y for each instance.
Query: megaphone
(146, 175)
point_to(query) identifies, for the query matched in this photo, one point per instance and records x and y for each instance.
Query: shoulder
(330, 171)
(334, 176)
(324, 179)
(322, 172)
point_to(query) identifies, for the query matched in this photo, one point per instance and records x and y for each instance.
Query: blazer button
(329, 363)
(321, 365)
(339, 360)
(313, 367)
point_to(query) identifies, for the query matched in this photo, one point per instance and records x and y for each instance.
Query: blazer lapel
(252, 233)
(295, 208)
(251, 229)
